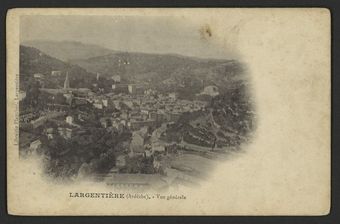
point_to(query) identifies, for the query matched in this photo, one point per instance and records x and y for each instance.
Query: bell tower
(67, 82)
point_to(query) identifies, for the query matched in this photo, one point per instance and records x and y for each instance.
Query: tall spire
(67, 82)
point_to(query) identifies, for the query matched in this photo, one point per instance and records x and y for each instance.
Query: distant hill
(68, 50)
(167, 72)
(34, 61)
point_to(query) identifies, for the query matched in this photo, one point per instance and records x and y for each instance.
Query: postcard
(168, 111)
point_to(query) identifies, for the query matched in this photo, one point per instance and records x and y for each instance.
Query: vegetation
(95, 148)
(33, 61)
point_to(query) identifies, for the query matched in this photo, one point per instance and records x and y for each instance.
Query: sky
(146, 34)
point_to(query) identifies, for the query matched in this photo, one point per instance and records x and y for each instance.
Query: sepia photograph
(155, 106)
(102, 99)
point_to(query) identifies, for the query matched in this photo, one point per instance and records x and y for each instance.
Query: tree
(57, 144)
(33, 92)
(59, 99)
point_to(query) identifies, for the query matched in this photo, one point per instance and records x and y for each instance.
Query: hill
(166, 72)
(68, 50)
(186, 75)
(34, 61)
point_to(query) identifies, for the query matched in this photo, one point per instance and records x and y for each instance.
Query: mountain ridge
(41, 44)
(165, 72)
(68, 50)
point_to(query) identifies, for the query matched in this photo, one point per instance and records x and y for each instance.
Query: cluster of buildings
(129, 107)
(149, 109)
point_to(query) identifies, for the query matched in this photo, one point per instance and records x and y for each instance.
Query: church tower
(67, 82)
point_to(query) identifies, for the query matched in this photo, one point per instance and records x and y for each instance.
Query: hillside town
(119, 136)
